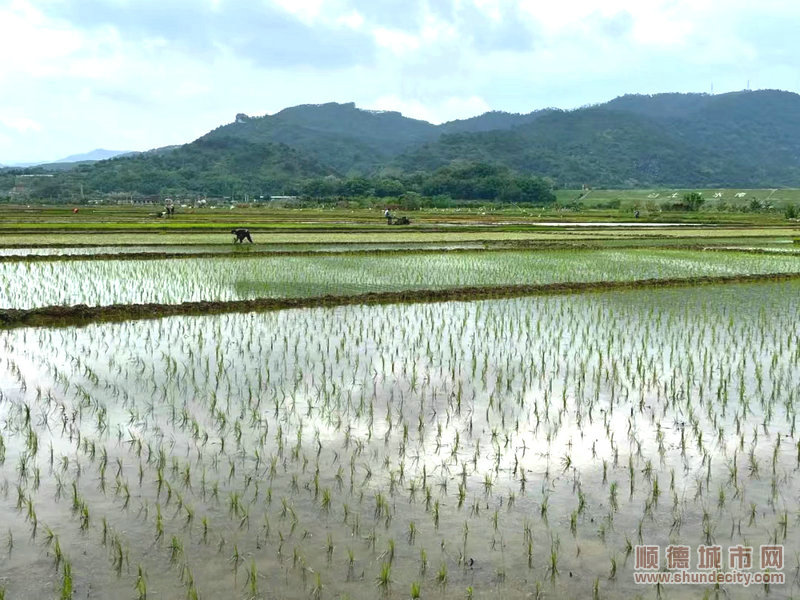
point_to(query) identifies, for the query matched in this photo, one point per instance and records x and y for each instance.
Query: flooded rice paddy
(229, 249)
(498, 449)
(28, 285)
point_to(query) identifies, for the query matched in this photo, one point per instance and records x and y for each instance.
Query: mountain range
(739, 139)
(351, 140)
(62, 163)
(96, 154)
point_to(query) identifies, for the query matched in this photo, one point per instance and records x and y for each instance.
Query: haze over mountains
(91, 156)
(96, 154)
(741, 139)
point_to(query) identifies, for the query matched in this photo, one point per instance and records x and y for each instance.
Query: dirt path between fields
(81, 314)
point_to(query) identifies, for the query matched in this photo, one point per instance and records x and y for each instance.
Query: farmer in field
(241, 235)
(388, 216)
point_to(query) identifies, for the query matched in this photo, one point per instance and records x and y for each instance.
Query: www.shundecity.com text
(742, 578)
(677, 563)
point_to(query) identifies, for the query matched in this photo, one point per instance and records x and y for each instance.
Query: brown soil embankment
(81, 314)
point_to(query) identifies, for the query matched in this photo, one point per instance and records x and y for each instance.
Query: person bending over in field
(241, 235)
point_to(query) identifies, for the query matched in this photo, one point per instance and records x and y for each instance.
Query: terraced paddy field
(365, 418)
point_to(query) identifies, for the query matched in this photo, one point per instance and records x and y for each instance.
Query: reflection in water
(509, 446)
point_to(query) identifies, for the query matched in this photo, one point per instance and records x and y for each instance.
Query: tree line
(157, 176)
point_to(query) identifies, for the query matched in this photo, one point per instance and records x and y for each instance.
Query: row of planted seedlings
(106, 282)
(467, 449)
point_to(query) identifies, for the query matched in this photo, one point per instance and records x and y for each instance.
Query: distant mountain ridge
(93, 155)
(64, 163)
(739, 139)
(747, 139)
(349, 139)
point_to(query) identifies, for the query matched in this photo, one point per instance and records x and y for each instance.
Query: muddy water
(503, 430)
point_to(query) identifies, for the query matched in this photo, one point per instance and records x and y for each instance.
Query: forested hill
(206, 167)
(742, 139)
(747, 139)
(736, 139)
(349, 139)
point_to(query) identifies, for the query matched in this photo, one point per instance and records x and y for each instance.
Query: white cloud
(462, 108)
(654, 22)
(447, 109)
(113, 73)
(190, 89)
(396, 41)
(491, 8)
(307, 10)
(19, 123)
(30, 43)
(433, 32)
(353, 20)
(436, 30)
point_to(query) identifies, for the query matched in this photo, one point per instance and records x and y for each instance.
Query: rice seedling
(141, 585)
(151, 282)
(412, 532)
(252, 580)
(316, 591)
(441, 575)
(415, 590)
(405, 412)
(553, 564)
(66, 581)
(384, 578)
(176, 549)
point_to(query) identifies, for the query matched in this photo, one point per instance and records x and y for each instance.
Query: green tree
(356, 186)
(693, 200)
(388, 187)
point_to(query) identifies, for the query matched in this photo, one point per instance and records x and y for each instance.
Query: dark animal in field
(401, 221)
(241, 235)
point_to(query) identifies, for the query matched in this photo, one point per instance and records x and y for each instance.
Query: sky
(138, 74)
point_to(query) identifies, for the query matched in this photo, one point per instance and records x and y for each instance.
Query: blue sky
(138, 74)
